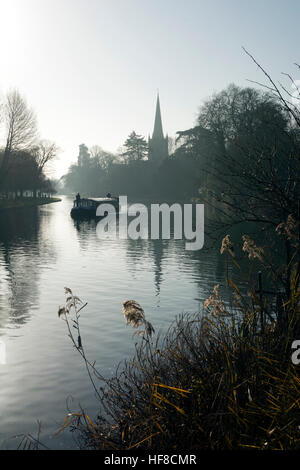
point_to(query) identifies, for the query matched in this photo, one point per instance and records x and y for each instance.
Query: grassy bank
(6, 204)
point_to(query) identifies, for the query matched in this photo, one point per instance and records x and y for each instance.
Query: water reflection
(42, 251)
(28, 246)
(161, 258)
(24, 250)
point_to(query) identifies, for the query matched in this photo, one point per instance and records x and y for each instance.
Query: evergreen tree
(136, 148)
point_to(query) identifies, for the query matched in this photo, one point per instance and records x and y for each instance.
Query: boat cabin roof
(102, 199)
(95, 202)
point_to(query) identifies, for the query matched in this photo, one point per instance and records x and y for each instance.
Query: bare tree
(21, 127)
(103, 158)
(290, 101)
(248, 147)
(44, 152)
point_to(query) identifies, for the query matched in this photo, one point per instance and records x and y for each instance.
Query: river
(42, 250)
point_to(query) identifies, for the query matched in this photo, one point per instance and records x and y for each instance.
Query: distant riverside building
(158, 144)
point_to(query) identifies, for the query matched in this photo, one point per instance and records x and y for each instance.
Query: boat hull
(90, 212)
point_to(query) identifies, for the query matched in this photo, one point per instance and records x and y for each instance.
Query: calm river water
(42, 250)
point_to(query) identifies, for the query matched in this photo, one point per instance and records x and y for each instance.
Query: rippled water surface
(42, 250)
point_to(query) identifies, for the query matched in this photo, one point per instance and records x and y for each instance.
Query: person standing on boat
(77, 199)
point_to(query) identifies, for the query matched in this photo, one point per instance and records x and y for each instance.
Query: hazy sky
(91, 68)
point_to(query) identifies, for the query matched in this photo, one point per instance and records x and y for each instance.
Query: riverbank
(226, 378)
(7, 204)
(212, 385)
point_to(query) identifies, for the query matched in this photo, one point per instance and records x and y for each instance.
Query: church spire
(158, 144)
(158, 129)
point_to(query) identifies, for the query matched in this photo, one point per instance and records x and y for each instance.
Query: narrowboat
(87, 207)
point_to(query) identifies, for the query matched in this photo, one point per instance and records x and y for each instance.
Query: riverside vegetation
(24, 157)
(219, 380)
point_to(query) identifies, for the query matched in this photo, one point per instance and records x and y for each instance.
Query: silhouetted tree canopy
(24, 174)
(136, 148)
(241, 134)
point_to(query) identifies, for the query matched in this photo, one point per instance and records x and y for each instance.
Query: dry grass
(213, 382)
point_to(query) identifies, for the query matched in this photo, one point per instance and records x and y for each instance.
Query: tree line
(23, 155)
(244, 139)
(130, 172)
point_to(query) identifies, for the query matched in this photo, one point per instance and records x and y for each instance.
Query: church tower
(158, 144)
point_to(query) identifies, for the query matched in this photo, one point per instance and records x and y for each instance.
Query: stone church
(158, 144)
